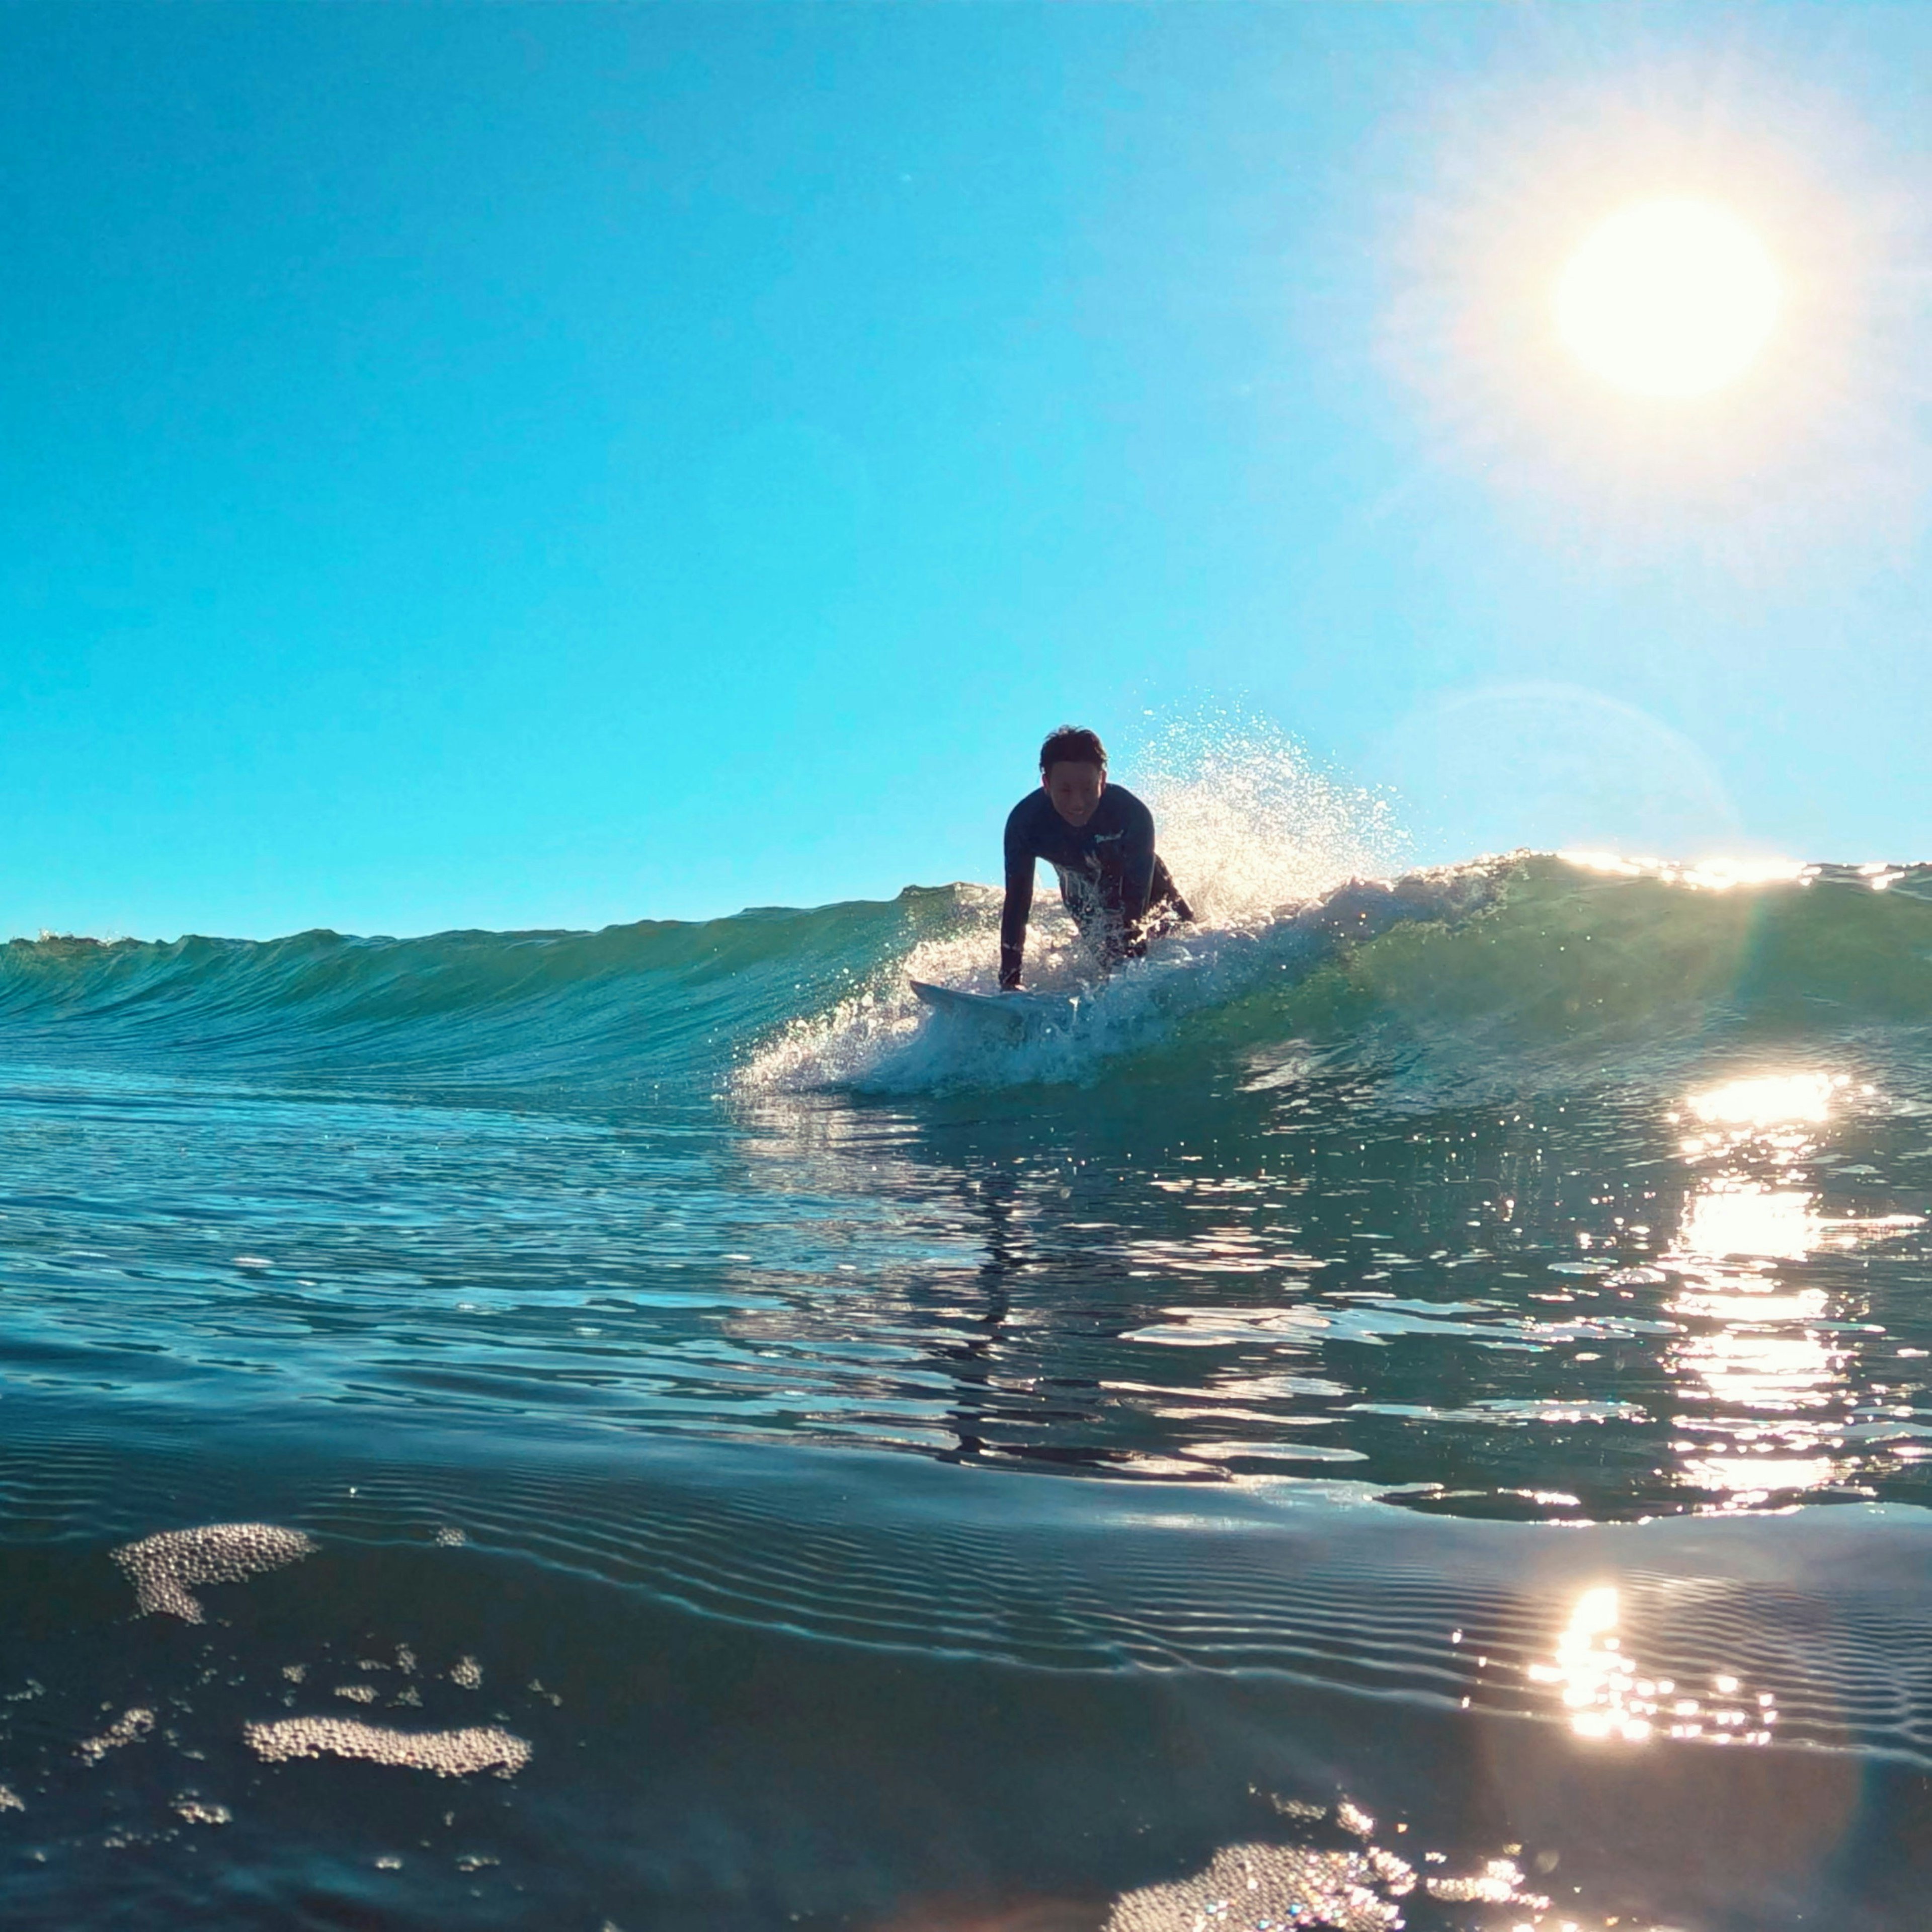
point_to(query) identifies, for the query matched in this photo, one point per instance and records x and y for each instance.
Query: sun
(1669, 298)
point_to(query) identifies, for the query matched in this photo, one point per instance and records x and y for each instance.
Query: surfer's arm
(1136, 865)
(1019, 907)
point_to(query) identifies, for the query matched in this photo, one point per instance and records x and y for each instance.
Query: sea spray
(1249, 823)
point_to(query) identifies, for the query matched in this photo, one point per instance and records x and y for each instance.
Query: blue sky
(500, 467)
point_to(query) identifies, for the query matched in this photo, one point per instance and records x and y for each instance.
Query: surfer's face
(1075, 790)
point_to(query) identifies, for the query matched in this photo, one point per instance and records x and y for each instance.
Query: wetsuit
(1110, 878)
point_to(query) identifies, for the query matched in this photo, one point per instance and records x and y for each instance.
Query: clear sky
(508, 466)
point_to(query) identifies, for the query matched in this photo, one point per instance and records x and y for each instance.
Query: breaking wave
(1511, 967)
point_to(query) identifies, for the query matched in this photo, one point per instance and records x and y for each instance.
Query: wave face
(656, 999)
(1530, 966)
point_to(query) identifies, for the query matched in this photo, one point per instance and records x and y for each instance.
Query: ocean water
(1407, 1409)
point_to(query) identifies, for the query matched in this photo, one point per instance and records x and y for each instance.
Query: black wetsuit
(1110, 879)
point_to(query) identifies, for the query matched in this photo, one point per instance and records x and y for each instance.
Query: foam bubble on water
(129, 1729)
(1245, 1887)
(162, 1567)
(1499, 1882)
(446, 1753)
(1278, 1888)
(11, 1800)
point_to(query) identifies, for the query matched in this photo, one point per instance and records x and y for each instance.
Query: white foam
(1247, 1886)
(131, 1728)
(162, 1567)
(446, 1753)
(886, 1042)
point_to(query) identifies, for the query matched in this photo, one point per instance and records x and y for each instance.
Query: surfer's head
(1073, 769)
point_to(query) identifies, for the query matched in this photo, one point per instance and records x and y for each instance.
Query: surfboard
(1013, 1012)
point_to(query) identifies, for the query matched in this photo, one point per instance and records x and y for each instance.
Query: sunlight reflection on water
(1768, 1363)
(1608, 1694)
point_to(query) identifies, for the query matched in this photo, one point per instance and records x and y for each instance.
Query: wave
(1512, 964)
(654, 998)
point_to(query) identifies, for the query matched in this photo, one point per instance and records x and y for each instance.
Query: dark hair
(1072, 745)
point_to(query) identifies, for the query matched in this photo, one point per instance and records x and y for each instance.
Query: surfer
(1098, 839)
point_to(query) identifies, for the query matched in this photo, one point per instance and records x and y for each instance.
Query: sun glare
(1659, 316)
(1773, 1100)
(1669, 299)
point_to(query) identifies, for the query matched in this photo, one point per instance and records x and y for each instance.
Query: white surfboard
(1012, 1013)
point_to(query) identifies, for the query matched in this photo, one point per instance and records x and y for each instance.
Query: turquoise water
(1409, 1408)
